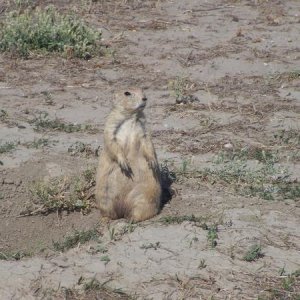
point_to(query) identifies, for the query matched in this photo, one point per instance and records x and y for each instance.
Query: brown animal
(128, 179)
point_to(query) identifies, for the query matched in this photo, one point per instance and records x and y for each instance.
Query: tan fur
(128, 179)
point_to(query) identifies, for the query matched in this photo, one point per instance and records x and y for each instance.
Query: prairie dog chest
(130, 133)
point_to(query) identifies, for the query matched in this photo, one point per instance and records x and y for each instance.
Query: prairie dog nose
(144, 98)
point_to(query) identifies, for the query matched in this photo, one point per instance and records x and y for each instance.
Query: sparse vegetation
(39, 143)
(105, 258)
(226, 152)
(288, 137)
(3, 115)
(43, 122)
(202, 264)
(112, 233)
(254, 253)
(78, 237)
(179, 219)
(8, 147)
(82, 148)
(105, 292)
(212, 235)
(264, 179)
(283, 287)
(154, 246)
(49, 31)
(14, 255)
(181, 88)
(67, 193)
(92, 284)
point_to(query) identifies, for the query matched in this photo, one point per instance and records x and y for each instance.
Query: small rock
(228, 146)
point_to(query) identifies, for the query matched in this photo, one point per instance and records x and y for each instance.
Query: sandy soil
(240, 61)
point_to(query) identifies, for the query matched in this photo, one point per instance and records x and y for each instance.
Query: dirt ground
(235, 67)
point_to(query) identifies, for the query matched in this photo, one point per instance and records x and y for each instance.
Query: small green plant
(294, 74)
(78, 237)
(112, 233)
(181, 87)
(3, 115)
(47, 30)
(266, 180)
(179, 219)
(8, 147)
(14, 255)
(178, 86)
(202, 264)
(288, 137)
(99, 290)
(154, 246)
(193, 240)
(38, 143)
(92, 284)
(129, 228)
(254, 253)
(212, 235)
(105, 258)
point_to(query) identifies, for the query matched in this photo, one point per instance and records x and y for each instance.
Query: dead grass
(64, 193)
(282, 287)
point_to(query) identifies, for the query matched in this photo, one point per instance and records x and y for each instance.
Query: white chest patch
(129, 132)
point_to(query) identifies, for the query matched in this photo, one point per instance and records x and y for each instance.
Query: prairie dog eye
(127, 93)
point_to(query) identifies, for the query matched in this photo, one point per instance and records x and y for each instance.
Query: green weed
(288, 137)
(105, 292)
(47, 30)
(154, 246)
(180, 88)
(212, 235)
(266, 179)
(42, 123)
(3, 115)
(14, 255)
(78, 237)
(92, 284)
(179, 219)
(202, 264)
(105, 258)
(38, 143)
(8, 147)
(253, 253)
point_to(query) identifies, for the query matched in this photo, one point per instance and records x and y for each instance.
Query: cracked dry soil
(240, 63)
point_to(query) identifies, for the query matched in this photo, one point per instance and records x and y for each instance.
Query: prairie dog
(128, 181)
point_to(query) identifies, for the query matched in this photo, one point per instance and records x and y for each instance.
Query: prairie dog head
(132, 100)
